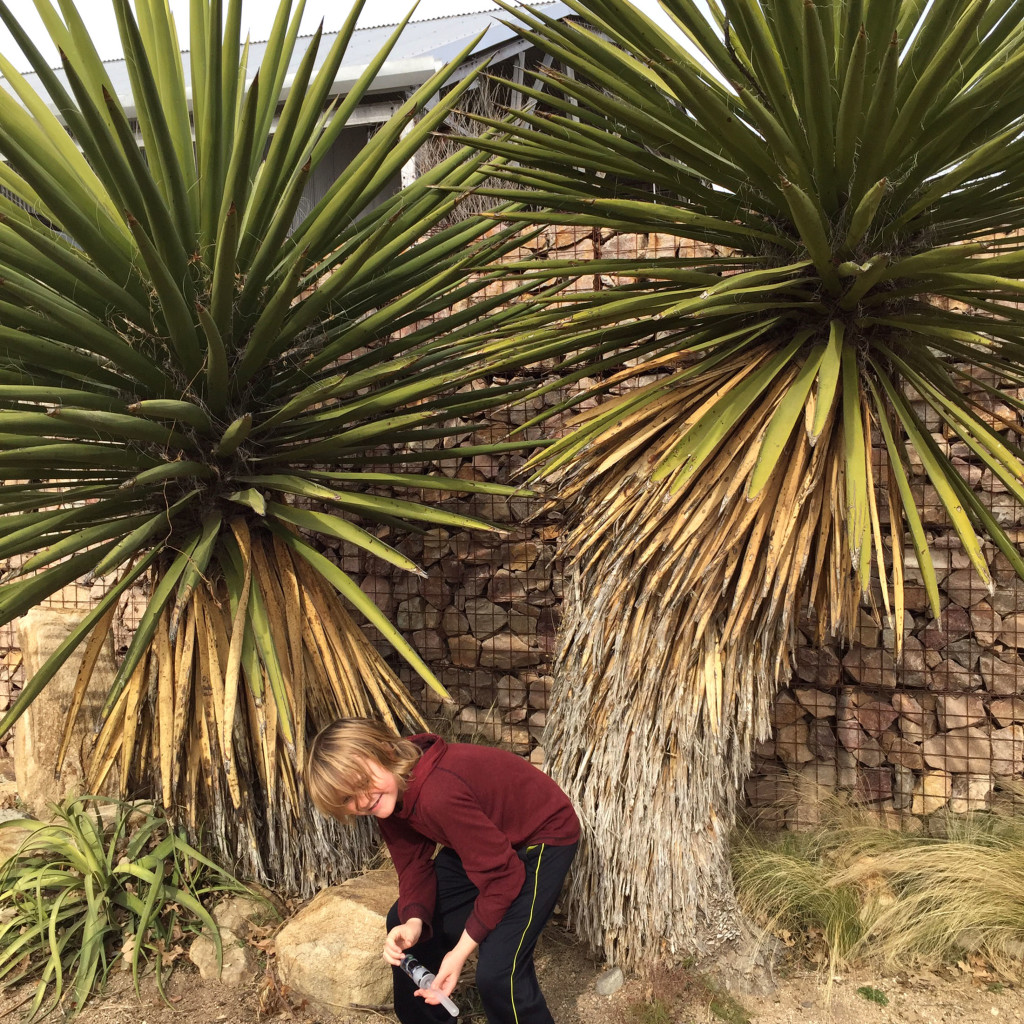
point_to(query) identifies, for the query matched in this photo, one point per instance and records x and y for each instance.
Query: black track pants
(505, 973)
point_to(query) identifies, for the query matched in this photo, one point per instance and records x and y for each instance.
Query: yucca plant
(102, 882)
(197, 380)
(841, 181)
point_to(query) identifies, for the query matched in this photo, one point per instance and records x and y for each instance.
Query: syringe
(424, 979)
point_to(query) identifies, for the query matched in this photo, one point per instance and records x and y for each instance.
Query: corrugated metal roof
(423, 47)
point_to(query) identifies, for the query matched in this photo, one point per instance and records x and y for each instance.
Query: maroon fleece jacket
(485, 804)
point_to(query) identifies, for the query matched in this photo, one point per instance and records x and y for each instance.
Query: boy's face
(380, 798)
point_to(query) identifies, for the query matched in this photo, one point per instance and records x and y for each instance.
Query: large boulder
(38, 733)
(330, 951)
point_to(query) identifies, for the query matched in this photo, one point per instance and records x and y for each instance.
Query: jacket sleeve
(412, 855)
(491, 863)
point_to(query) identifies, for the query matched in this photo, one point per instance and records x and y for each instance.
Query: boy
(508, 835)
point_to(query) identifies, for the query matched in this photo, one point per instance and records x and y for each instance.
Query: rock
(816, 778)
(237, 964)
(953, 624)
(959, 710)
(964, 587)
(966, 653)
(609, 982)
(902, 752)
(464, 651)
(791, 744)
(846, 769)
(769, 790)
(785, 710)
(914, 663)
(970, 793)
(523, 619)
(875, 716)
(959, 751)
(931, 792)
(818, 665)
(904, 781)
(436, 545)
(804, 816)
(821, 740)
(909, 707)
(870, 666)
(507, 651)
(504, 588)
(485, 617)
(519, 555)
(38, 734)
(817, 702)
(329, 951)
(540, 692)
(12, 835)
(436, 591)
(873, 785)
(429, 644)
(537, 724)
(866, 749)
(510, 692)
(378, 590)
(240, 914)
(868, 631)
(453, 622)
(1007, 710)
(886, 815)
(1002, 674)
(1007, 750)
(918, 732)
(1008, 597)
(479, 723)
(986, 624)
(1012, 632)
(951, 675)
(415, 614)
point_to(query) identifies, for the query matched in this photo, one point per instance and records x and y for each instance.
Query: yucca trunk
(679, 621)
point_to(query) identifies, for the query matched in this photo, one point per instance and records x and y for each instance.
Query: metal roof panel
(434, 41)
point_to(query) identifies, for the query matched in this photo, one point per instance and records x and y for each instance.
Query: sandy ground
(967, 995)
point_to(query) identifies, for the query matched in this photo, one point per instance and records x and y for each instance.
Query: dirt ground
(568, 975)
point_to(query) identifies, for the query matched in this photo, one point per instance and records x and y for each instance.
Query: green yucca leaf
(783, 421)
(181, 346)
(857, 165)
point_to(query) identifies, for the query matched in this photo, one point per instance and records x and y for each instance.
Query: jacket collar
(433, 748)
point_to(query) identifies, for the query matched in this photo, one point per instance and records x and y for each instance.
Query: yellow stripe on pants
(522, 938)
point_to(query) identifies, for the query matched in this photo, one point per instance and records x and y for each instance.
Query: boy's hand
(451, 968)
(400, 938)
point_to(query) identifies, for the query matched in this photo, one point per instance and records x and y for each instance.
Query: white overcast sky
(257, 18)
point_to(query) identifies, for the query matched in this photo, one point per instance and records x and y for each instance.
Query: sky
(257, 18)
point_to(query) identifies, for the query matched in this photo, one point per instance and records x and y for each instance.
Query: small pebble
(610, 982)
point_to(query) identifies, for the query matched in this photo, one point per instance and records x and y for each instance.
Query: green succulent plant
(832, 197)
(104, 881)
(198, 379)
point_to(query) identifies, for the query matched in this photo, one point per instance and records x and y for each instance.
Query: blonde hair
(337, 758)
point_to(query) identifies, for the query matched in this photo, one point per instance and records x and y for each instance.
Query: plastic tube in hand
(424, 979)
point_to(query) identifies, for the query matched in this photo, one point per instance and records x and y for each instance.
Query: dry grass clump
(854, 890)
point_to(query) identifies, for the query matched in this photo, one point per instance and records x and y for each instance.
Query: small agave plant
(197, 382)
